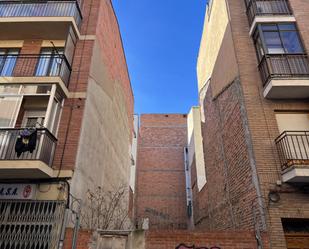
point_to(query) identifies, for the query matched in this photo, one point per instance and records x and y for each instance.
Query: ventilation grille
(30, 224)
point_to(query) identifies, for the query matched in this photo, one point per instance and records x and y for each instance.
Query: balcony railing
(43, 151)
(293, 148)
(267, 8)
(283, 66)
(42, 65)
(37, 8)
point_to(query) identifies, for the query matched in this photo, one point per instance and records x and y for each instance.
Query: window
(27, 106)
(9, 109)
(34, 118)
(50, 62)
(282, 38)
(8, 58)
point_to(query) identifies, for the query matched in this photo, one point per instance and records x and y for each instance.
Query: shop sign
(17, 191)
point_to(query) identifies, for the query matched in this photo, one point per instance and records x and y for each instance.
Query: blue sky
(161, 41)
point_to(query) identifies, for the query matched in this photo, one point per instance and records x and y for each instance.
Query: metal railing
(45, 8)
(43, 151)
(266, 8)
(293, 148)
(283, 66)
(41, 65)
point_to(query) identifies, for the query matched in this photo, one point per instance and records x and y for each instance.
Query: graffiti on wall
(183, 246)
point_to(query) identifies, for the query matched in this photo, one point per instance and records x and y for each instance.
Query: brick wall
(262, 131)
(160, 170)
(26, 67)
(229, 196)
(113, 54)
(83, 239)
(224, 240)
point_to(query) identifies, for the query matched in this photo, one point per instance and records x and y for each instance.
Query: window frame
(55, 53)
(51, 121)
(8, 52)
(259, 34)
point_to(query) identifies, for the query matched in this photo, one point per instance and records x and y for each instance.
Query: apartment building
(253, 78)
(66, 116)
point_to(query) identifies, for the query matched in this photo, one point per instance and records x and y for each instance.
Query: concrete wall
(215, 25)
(104, 156)
(195, 146)
(160, 189)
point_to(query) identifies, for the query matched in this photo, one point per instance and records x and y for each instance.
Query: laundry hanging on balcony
(26, 141)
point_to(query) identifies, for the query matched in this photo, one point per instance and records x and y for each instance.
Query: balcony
(35, 164)
(259, 11)
(285, 76)
(53, 16)
(38, 69)
(293, 149)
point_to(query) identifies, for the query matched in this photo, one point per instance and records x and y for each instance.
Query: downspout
(76, 229)
(189, 198)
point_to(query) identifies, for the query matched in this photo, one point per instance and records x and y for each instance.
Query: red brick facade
(160, 170)
(170, 239)
(229, 197)
(217, 240)
(98, 20)
(241, 159)
(83, 239)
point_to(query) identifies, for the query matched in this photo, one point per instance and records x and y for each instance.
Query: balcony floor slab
(46, 28)
(29, 169)
(287, 89)
(296, 174)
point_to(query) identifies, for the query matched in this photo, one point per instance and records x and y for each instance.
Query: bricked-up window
(8, 57)
(277, 38)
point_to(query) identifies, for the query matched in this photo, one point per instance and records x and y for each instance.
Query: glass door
(49, 63)
(8, 58)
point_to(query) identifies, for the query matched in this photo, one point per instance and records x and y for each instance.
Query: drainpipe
(188, 190)
(76, 228)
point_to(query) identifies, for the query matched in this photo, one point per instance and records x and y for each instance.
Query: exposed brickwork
(262, 122)
(83, 239)
(160, 171)
(90, 12)
(94, 12)
(27, 67)
(81, 66)
(68, 134)
(226, 200)
(109, 38)
(224, 240)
